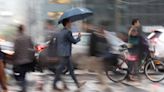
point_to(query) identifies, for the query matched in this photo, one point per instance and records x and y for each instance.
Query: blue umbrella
(75, 14)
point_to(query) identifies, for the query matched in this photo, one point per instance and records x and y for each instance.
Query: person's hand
(130, 45)
(79, 34)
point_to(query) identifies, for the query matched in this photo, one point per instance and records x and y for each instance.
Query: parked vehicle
(83, 45)
(7, 48)
(158, 42)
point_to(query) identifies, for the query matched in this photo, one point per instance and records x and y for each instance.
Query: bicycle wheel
(154, 70)
(119, 72)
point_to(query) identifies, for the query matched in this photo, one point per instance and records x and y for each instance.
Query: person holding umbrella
(64, 41)
(64, 47)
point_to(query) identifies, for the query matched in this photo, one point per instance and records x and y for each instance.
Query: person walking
(50, 32)
(64, 49)
(23, 57)
(101, 47)
(3, 79)
(49, 29)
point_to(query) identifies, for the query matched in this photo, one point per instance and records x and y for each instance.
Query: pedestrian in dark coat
(64, 49)
(23, 57)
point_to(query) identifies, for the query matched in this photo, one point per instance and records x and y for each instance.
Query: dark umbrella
(75, 14)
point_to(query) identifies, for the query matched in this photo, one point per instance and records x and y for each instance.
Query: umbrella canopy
(75, 14)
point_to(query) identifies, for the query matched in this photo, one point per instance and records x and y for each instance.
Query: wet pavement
(91, 85)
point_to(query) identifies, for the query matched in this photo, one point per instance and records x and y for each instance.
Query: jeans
(65, 61)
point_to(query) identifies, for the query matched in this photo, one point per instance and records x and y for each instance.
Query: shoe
(107, 89)
(132, 78)
(56, 88)
(65, 87)
(81, 84)
(23, 90)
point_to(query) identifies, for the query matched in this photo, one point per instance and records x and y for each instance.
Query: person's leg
(136, 69)
(3, 77)
(20, 73)
(104, 86)
(22, 83)
(71, 69)
(131, 70)
(59, 69)
(100, 78)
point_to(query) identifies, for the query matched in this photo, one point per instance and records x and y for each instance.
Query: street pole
(117, 16)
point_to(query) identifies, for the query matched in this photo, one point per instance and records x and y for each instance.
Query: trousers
(65, 62)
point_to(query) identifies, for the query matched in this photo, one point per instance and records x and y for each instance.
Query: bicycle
(118, 72)
(152, 66)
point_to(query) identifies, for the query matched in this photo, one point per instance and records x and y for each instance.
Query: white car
(114, 42)
(158, 42)
(7, 47)
(83, 45)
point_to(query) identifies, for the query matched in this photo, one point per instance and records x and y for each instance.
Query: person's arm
(92, 45)
(31, 42)
(130, 31)
(16, 48)
(130, 45)
(71, 38)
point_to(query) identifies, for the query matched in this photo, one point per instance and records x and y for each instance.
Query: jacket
(24, 52)
(64, 42)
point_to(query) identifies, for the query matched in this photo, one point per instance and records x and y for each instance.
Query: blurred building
(53, 9)
(41, 10)
(103, 12)
(11, 12)
(117, 14)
